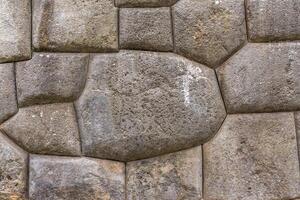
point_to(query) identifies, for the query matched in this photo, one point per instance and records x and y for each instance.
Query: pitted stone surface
(209, 31)
(173, 176)
(146, 29)
(76, 179)
(254, 156)
(297, 121)
(51, 78)
(145, 3)
(273, 20)
(141, 104)
(8, 99)
(15, 30)
(262, 78)
(13, 170)
(75, 26)
(46, 129)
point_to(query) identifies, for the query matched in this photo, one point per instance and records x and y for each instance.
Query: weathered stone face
(50, 78)
(75, 178)
(262, 78)
(8, 99)
(46, 129)
(297, 121)
(13, 170)
(146, 29)
(75, 26)
(254, 156)
(145, 3)
(273, 20)
(15, 30)
(141, 104)
(172, 176)
(209, 31)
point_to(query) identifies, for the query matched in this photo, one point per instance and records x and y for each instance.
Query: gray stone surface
(15, 30)
(141, 104)
(63, 178)
(209, 31)
(168, 177)
(13, 170)
(145, 3)
(254, 156)
(146, 29)
(8, 99)
(262, 78)
(51, 78)
(297, 121)
(273, 20)
(46, 129)
(75, 26)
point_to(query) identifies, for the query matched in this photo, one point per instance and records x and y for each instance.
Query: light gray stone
(254, 156)
(8, 99)
(46, 129)
(13, 171)
(273, 20)
(297, 121)
(63, 178)
(209, 31)
(262, 78)
(15, 30)
(146, 29)
(173, 176)
(145, 3)
(140, 104)
(75, 26)
(51, 78)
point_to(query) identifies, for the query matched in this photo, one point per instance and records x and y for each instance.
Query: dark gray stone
(145, 3)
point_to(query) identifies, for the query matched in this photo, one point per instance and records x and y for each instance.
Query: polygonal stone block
(146, 29)
(254, 156)
(75, 178)
(209, 31)
(141, 104)
(271, 20)
(51, 78)
(173, 176)
(145, 3)
(262, 78)
(8, 99)
(13, 170)
(75, 26)
(46, 129)
(15, 30)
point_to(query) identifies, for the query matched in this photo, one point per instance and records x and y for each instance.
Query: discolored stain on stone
(173, 176)
(254, 156)
(145, 3)
(63, 178)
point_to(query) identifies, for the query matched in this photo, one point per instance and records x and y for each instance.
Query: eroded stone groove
(145, 3)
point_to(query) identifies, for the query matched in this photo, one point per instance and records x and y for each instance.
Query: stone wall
(149, 99)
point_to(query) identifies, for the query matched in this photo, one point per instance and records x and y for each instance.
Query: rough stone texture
(141, 104)
(50, 78)
(168, 177)
(271, 20)
(262, 78)
(146, 29)
(76, 179)
(75, 26)
(15, 30)
(8, 99)
(297, 121)
(254, 156)
(209, 31)
(47, 129)
(13, 170)
(145, 3)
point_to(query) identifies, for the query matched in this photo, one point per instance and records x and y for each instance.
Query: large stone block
(254, 156)
(75, 178)
(173, 176)
(209, 31)
(262, 78)
(46, 129)
(51, 78)
(75, 26)
(145, 3)
(15, 30)
(271, 20)
(146, 29)
(141, 104)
